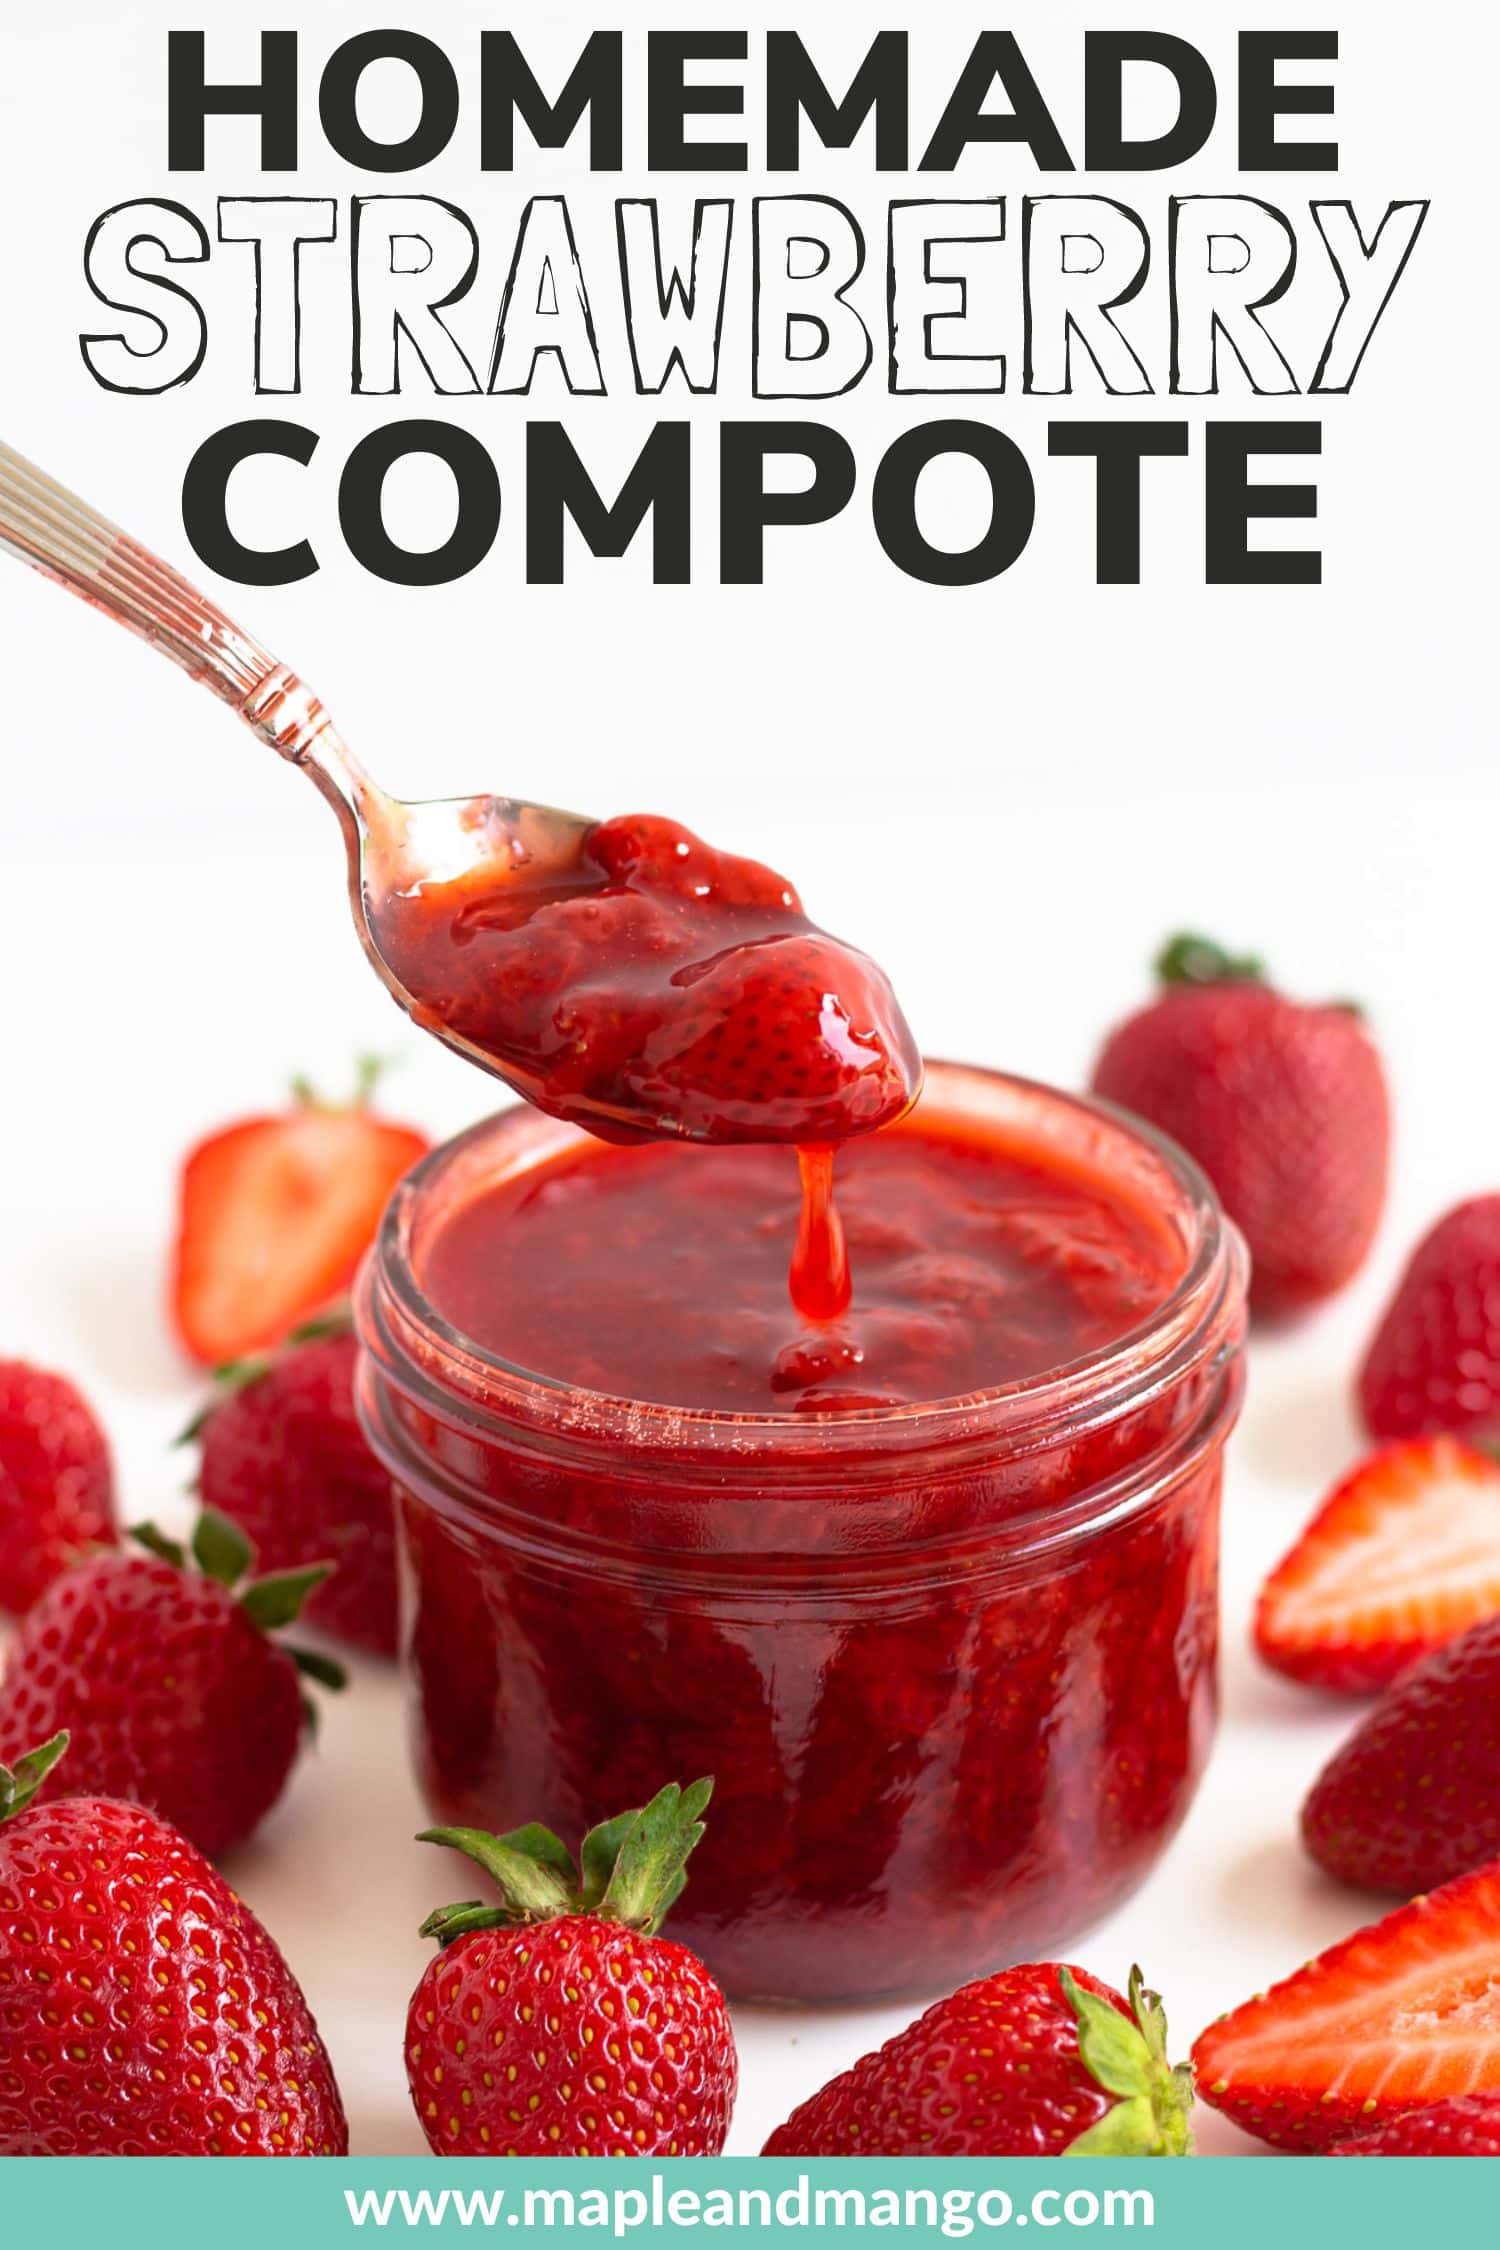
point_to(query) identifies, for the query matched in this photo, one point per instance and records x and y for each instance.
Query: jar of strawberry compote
(931, 1591)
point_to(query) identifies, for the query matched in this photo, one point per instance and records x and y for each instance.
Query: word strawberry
(558, 2023)
(1401, 2015)
(1469, 2126)
(284, 1457)
(1413, 1797)
(144, 2011)
(1284, 1105)
(163, 1670)
(56, 1484)
(1041, 2060)
(1403, 1556)
(1435, 1360)
(274, 1216)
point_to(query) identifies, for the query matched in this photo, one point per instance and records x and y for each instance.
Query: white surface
(1010, 794)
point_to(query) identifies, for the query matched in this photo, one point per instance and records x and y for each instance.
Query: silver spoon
(392, 845)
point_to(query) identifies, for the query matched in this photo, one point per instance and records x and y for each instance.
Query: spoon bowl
(619, 973)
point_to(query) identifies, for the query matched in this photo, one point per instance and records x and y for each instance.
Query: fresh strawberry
(1435, 1360)
(1401, 2015)
(1041, 2060)
(274, 1215)
(1469, 2126)
(1284, 1105)
(163, 1669)
(144, 2011)
(284, 1457)
(1402, 1557)
(56, 1483)
(1413, 1797)
(558, 2023)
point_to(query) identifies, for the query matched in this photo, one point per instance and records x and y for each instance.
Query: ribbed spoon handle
(44, 524)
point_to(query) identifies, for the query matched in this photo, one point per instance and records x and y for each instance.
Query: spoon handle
(44, 524)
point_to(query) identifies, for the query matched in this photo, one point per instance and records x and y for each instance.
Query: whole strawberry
(284, 1457)
(1284, 1105)
(56, 1484)
(144, 2011)
(558, 2023)
(1399, 2016)
(1467, 2126)
(1435, 1360)
(1041, 2060)
(162, 1667)
(1413, 1797)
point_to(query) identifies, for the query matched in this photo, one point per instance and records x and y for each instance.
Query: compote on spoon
(617, 973)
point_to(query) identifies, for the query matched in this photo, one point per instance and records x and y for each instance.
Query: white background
(1010, 794)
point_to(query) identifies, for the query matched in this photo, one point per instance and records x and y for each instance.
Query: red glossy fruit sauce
(928, 1583)
(659, 1272)
(655, 988)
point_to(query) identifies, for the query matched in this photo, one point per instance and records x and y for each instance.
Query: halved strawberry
(1402, 1557)
(1401, 2015)
(274, 1216)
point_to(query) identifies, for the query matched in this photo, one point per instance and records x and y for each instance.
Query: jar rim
(1201, 1313)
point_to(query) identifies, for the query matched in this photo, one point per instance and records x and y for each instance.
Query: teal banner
(234, 2204)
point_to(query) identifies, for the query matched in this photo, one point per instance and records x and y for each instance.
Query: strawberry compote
(647, 986)
(929, 1583)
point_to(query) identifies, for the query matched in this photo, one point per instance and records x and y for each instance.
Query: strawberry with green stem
(1039, 2060)
(164, 1666)
(557, 2021)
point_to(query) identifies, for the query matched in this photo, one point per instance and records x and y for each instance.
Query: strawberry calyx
(368, 1072)
(219, 1550)
(19, 1783)
(1191, 959)
(236, 1375)
(630, 1870)
(1127, 2056)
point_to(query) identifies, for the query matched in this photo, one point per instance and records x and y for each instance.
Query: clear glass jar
(952, 1665)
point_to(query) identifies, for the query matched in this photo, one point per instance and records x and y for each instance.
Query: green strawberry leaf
(598, 1853)
(446, 1923)
(538, 1843)
(157, 1543)
(632, 1868)
(19, 1783)
(653, 1854)
(531, 1890)
(1190, 959)
(220, 1548)
(1127, 2056)
(1129, 2129)
(1114, 2052)
(314, 1665)
(277, 1598)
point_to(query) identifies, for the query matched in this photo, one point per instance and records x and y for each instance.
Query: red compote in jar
(928, 1585)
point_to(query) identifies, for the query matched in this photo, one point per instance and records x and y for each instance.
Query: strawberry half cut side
(1401, 2015)
(1402, 1557)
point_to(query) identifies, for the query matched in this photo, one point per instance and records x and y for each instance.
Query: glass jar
(951, 1665)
